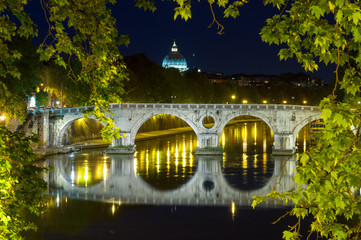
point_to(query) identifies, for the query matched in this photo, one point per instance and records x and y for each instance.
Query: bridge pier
(284, 144)
(208, 140)
(123, 145)
(208, 144)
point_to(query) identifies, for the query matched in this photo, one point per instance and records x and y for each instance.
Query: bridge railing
(76, 110)
(212, 106)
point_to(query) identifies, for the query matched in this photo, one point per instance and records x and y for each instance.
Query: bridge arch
(135, 127)
(59, 135)
(264, 118)
(303, 123)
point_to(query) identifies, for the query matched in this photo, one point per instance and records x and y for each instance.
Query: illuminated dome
(175, 60)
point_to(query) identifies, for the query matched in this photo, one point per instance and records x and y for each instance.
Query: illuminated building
(175, 60)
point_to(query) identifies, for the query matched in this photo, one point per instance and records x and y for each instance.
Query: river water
(166, 192)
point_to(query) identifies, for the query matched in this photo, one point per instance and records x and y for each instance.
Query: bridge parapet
(212, 106)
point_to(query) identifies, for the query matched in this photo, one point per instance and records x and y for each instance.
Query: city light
(244, 101)
(264, 101)
(284, 102)
(233, 210)
(2, 118)
(304, 102)
(233, 97)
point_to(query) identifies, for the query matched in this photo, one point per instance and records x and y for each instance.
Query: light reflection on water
(166, 165)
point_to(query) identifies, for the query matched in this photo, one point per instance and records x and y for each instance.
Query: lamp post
(233, 97)
(173, 98)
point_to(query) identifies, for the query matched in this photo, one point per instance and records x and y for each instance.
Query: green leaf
(356, 31)
(317, 11)
(356, 17)
(326, 113)
(340, 3)
(339, 16)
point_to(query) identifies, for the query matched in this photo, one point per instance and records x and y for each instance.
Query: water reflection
(162, 187)
(164, 170)
(167, 163)
(122, 184)
(253, 137)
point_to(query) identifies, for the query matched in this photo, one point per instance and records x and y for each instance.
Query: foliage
(194, 87)
(60, 86)
(78, 30)
(18, 89)
(81, 31)
(314, 32)
(42, 98)
(21, 187)
(85, 31)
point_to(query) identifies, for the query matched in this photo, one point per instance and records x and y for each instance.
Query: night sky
(238, 50)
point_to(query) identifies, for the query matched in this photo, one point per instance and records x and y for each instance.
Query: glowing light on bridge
(264, 162)
(86, 176)
(190, 152)
(147, 162)
(304, 140)
(168, 157)
(264, 141)
(244, 161)
(245, 138)
(135, 167)
(105, 172)
(113, 209)
(255, 161)
(176, 156)
(233, 210)
(184, 153)
(158, 162)
(255, 133)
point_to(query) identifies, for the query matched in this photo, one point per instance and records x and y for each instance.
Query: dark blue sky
(238, 50)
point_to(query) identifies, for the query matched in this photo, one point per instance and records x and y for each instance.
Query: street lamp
(244, 101)
(173, 97)
(264, 101)
(284, 102)
(304, 102)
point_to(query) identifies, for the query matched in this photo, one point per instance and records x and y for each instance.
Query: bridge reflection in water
(165, 172)
(115, 180)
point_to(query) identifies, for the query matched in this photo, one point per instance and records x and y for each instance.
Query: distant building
(216, 78)
(175, 60)
(262, 80)
(257, 80)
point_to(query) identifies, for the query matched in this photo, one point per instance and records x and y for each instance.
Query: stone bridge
(285, 121)
(207, 186)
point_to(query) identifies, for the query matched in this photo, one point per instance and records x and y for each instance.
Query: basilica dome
(175, 60)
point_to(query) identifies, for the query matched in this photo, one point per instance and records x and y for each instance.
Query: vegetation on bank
(169, 85)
